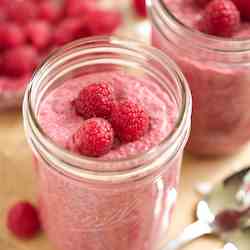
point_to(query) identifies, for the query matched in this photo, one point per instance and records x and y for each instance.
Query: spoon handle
(190, 233)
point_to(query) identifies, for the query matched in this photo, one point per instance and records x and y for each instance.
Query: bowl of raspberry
(31, 29)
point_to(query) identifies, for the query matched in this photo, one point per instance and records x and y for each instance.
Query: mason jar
(96, 204)
(218, 73)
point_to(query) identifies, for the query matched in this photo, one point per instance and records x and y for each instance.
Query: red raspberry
(11, 35)
(23, 220)
(202, 3)
(3, 3)
(129, 120)
(244, 8)
(4, 83)
(140, 7)
(20, 61)
(94, 138)
(12, 84)
(68, 30)
(22, 11)
(221, 18)
(75, 8)
(95, 100)
(49, 11)
(2, 13)
(228, 220)
(39, 33)
(103, 22)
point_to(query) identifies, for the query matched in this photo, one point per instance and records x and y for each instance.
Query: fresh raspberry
(3, 3)
(244, 8)
(221, 18)
(49, 11)
(129, 120)
(39, 33)
(23, 220)
(2, 14)
(11, 35)
(22, 11)
(68, 30)
(5, 82)
(74, 8)
(94, 138)
(95, 100)
(103, 22)
(11, 84)
(140, 7)
(202, 3)
(228, 220)
(20, 61)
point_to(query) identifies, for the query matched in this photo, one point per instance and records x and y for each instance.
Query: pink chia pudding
(132, 216)
(217, 70)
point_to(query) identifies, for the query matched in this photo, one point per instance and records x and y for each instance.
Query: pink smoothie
(220, 83)
(131, 216)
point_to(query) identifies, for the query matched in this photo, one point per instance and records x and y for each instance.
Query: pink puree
(220, 90)
(131, 216)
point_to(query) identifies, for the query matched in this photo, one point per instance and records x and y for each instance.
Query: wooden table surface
(17, 179)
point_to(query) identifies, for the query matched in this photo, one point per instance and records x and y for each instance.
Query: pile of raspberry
(140, 7)
(223, 17)
(30, 29)
(106, 120)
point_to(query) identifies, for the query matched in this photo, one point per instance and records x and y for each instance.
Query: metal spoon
(219, 213)
(229, 246)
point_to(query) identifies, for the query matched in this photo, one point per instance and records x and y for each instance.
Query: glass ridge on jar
(126, 209)
(218, 73)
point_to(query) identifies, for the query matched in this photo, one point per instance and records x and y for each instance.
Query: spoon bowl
(221, 214)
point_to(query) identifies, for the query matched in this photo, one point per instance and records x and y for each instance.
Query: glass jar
(218, 73)
(87, 203)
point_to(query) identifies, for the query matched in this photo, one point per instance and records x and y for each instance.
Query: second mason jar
(218, 72)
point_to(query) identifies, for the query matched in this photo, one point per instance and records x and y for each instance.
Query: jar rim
(207, 41)
(31, 121)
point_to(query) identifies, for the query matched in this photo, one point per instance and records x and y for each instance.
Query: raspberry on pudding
(129, 120)
(220, 18)
(204, 15)
(94, 138)
(209, 40)
(95, 100)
